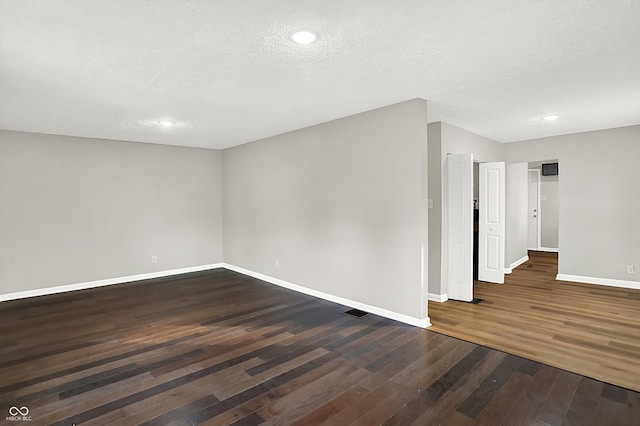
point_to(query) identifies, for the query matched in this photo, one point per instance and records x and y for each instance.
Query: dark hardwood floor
(218, 348)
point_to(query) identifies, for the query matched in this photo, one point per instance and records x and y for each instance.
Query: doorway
(533, 237)
(461, 244)
(476, 216)
(543, 210)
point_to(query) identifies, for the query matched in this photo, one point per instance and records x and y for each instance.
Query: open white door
(459, 219)
(491, 227)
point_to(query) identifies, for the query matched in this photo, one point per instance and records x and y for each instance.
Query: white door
(491, 226)
(459, 226)
(534, 210)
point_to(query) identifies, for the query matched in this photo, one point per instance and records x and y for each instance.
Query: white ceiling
(228, 72)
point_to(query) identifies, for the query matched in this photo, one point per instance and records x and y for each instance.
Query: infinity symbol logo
(14, 411)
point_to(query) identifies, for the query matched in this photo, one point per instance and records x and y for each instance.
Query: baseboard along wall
(105, 282)
(548, 249)
(515, 264)
(418, 322)
(600, 281)
(440, 298)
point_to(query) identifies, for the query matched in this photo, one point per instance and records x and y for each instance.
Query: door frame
(539, 218)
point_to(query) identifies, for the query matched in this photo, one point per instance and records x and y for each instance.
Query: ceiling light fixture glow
(166, 123)
(550, 117)
(304, 37)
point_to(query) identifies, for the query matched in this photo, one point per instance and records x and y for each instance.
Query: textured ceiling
(228, 73)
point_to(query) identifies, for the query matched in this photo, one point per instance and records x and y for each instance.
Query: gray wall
(458, 141)
(339, 207)
(435, 213)
(517, 226)
(75, 209)
(599, 232)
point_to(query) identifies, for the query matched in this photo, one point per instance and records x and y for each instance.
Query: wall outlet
(631, 269)
(154, 259)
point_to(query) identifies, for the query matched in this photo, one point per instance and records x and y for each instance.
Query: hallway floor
(588, 329)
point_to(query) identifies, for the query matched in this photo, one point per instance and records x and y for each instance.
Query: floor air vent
(475, 301)
(356, 313)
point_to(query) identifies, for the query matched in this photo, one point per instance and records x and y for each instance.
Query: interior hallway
(588, 329)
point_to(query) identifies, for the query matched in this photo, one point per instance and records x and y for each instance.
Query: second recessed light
(304, 37)
(550, 117)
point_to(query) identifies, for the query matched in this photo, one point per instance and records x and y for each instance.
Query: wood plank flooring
(217, 348)
(587, 329)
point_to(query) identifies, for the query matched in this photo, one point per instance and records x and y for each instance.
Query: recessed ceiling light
(550, 117)
(304, 37)
(166, 123)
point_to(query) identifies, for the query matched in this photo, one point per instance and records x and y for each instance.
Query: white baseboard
(549, 249)
(515, 264)
(108, 281)
(600, 281)
(418, 322)
(438, 297)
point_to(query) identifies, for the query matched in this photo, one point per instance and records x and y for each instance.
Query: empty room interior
(337, 212)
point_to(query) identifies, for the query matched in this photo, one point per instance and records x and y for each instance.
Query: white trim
(108, 281)
(515, 264)
(418, 322)
(519, 262)
(423, 323)
(549, 249)
(440, 298)
(600, 281)
(539, 206)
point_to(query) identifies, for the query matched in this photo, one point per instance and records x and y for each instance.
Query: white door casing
(533, 212)
(491, 226)
(459, 226)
